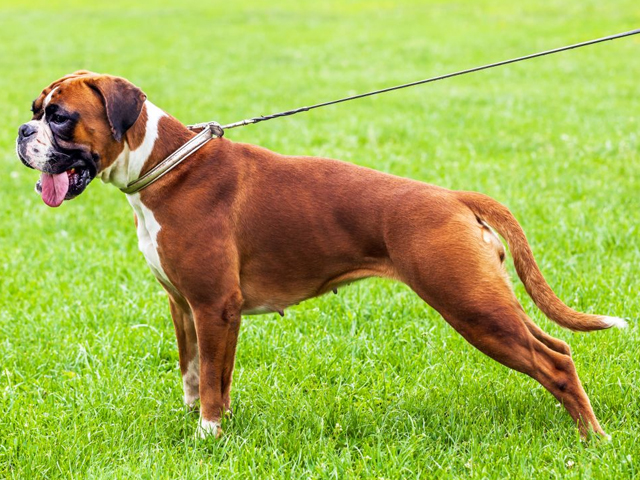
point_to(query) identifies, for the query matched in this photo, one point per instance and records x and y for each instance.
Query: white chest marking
(148, 229)
(125, 169)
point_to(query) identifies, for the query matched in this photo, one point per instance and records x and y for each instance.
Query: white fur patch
(47, 99)
(127, 167)
(208, 428)
(148, 229)
(614, 322)
(38, 147)
(118, 172)
(140, 155)
(191, 382)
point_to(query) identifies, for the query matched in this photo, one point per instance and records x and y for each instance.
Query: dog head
(77, 130)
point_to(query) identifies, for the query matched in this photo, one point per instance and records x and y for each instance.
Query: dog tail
(500, 218)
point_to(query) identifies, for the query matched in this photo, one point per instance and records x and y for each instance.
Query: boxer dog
(237, 229)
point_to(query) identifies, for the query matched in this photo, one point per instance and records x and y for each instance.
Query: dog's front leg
(187, 347)
(217, 327)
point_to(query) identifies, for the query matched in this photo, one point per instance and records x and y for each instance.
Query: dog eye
(58, 119)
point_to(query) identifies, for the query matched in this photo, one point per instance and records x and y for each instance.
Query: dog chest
(148, 229)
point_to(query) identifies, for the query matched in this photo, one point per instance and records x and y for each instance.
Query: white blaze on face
(127, 167)
(47, 99)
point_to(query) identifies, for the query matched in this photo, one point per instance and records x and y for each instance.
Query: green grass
(371, 383)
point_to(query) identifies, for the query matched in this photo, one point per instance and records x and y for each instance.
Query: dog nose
(26, 130)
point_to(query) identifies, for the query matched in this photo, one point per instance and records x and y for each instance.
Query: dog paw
(595, 435)
(604, 437)
(228, 411)
(208, 428)
(190, 401)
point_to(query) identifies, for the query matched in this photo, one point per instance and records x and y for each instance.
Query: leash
(210, 130)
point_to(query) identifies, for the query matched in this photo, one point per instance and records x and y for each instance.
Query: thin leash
(210, 130)
(263, 118)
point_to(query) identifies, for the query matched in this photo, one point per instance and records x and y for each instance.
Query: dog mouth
(55, 188)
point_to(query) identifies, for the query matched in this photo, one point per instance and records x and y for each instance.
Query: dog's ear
(122, 101)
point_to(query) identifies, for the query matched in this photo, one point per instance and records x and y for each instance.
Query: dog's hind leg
(551, 342)
(461, 276)
(499, 332)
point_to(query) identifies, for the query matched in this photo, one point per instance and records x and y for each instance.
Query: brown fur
(244, 228)
(275, 230)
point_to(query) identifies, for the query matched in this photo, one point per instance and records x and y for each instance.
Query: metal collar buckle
(208, 132)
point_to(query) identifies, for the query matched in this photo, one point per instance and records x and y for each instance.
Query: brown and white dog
(238, 229)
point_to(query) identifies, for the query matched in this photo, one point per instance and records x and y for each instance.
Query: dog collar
(209, 131)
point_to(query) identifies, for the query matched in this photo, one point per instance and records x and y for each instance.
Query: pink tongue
(54, 188)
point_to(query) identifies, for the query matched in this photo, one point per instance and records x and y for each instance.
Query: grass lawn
(371, 383)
